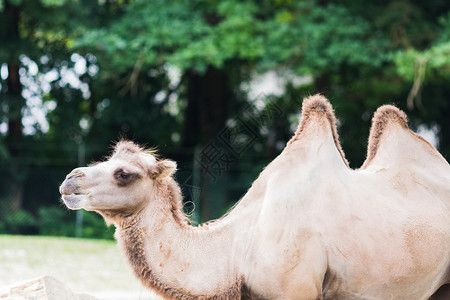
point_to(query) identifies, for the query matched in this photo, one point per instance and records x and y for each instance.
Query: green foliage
(94, 227)
(444, 22)
(55, 221)
(179, 33)
(436, 60)
(50, 3)
(317, 38)
(19, 222)
(16, 2)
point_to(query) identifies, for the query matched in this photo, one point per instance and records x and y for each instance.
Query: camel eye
(123, 178)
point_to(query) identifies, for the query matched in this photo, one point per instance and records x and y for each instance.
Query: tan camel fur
(309, 227)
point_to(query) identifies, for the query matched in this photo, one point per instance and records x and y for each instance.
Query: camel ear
(163, 169)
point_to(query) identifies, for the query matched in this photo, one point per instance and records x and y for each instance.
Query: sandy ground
(86, 266)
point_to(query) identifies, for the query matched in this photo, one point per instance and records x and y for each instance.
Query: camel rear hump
(391, 141)
(384, 117)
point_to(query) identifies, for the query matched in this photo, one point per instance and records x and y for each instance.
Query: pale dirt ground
(95, 267)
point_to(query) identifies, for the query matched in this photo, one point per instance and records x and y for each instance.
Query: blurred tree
(348, 49)
(180, 74)
(38, 76)
(427, 67)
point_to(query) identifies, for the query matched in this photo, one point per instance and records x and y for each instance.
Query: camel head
(116, 184)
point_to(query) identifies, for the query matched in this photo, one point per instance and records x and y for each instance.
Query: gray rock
(42, 288)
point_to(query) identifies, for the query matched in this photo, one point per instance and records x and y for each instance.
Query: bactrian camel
(309, 227)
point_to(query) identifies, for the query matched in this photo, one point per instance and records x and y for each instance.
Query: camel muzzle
(71, 184)
(71, 191)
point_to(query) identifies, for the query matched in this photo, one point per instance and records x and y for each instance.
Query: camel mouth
(75, 201)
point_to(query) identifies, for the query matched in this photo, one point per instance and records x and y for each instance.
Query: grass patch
(95, 267)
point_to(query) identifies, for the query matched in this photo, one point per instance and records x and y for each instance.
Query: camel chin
(75, 201)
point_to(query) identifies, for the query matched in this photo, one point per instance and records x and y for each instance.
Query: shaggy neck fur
(152, 241)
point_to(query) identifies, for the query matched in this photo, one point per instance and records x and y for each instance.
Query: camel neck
(176, 259)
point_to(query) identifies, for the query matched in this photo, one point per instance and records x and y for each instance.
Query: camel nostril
(75, 174)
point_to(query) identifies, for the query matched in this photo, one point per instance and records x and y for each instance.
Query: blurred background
(216, 86)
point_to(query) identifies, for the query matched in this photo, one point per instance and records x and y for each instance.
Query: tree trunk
(206, 114)
(13, 98)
